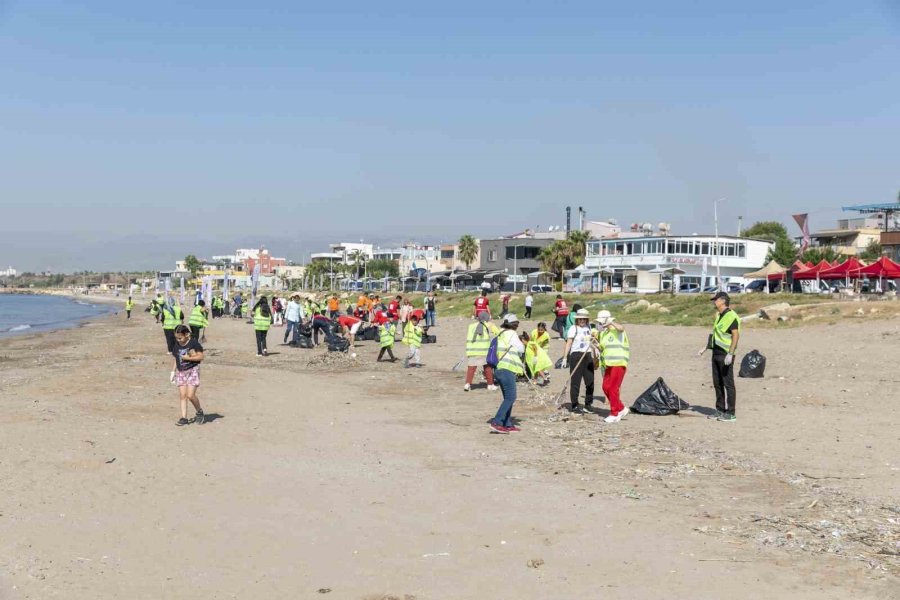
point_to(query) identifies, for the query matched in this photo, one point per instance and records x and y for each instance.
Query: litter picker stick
(459, 364)
(572, 372)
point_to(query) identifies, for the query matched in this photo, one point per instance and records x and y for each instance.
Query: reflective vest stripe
(386, 335)
(721, 336)
(615, 352)
(509, 359)
(412, 335)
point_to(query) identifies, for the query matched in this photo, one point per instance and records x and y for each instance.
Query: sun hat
(582, 314)
(604, 317)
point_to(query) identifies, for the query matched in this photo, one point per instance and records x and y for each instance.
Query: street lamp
(515, 266)
(718, 248)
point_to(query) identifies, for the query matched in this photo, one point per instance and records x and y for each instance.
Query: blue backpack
(491, 359)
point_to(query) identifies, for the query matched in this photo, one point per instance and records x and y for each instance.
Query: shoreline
(109, 304)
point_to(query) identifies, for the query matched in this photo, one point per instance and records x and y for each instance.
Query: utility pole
(718, 246)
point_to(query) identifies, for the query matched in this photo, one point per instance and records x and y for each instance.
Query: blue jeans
(429, 318)
(507, 382)
(295, 327)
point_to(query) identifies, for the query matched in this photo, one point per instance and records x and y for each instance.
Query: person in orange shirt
(334, 307)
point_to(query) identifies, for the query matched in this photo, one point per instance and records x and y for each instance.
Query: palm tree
(467, 249)
(358, 257)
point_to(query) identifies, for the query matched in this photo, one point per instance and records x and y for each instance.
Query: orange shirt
(334, 305)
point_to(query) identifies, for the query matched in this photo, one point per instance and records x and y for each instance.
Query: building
(602, 229)
(349, 250)
(851, 237)
(8, 272)
(388, 254)
(420, 259)
(516, 257)
(290, 274)
(266, 262)
(652, 262)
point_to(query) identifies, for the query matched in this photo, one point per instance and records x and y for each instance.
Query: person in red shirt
(482, 304)
(562, 312)
(349, 325)
(394, 308)
(505, 304)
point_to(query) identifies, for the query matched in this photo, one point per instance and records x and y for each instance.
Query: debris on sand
(332, 360)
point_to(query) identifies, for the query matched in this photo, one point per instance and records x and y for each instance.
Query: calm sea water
(25, 313)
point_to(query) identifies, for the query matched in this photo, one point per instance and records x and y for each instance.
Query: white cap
(582, 314)
(510, 318)
(604, 317)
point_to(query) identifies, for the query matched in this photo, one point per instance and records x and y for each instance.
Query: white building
(8, 272)
(637, 264)
(348, 251)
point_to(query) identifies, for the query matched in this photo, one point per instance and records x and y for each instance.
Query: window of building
(704, 248)
(492, 255)
(446, 253)
(670, 247)
(742, 250)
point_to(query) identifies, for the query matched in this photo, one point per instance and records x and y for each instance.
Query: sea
(27, 313)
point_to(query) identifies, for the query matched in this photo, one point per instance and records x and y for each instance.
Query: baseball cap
(721, 295)
(510, 318)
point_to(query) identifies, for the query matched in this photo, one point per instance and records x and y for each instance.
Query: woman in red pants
(614, 355)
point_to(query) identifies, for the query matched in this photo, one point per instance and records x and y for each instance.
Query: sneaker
(200, 418)
(182, 422)
(727, 418)
(577, 409)
(492, 388)
(513, 429)
(498, 428)
(467, 387)
(716, 415)
(258, 354)
(624, 412)
(613, 419)
(265, 352)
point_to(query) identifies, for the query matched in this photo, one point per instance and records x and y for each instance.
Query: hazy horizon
(132, 135)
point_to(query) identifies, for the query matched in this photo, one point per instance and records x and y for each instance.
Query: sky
(132, 134)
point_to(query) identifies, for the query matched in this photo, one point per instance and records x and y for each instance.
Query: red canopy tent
(844, 270)
(883, 267)
(812, 272)
(809, 265)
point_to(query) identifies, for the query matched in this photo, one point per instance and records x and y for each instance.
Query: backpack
(492, 360)
(753, 366)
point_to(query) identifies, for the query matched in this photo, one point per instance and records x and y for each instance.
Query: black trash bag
(660, 400)
(304, 341)
(753, 365)
(429, 339)
(306, 330)
(558, 364)
(369, 334)
(338, 344)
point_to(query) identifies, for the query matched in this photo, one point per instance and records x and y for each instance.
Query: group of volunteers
(503, 353)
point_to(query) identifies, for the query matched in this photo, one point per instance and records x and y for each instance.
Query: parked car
(541, 289)
(688, 288)
(759, 285)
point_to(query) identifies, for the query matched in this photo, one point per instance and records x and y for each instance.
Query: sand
(342, 478)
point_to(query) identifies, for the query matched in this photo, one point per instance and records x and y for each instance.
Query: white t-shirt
(581, 337)
(529, 300)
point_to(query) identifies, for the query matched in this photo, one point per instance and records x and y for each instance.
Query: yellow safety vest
(412, 335)
(154, 308)
(172, 316)
(386, 335)
(542, 340)
(477, 345)
(260, 322)
(509, 360)
(129, 305)
(615, 349)
(198, 318)
(721, 336)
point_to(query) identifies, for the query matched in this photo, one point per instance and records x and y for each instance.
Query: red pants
(612, 382)
(488, 374)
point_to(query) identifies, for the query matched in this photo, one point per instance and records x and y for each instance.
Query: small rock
(535, 563)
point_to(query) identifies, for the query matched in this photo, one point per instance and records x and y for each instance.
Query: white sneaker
(624, 412)
(613, 419)
(492, 388)
(467, 387)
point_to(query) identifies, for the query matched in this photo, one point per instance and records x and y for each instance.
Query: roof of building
(873, 208)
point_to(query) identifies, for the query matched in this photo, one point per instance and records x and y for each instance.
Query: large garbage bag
(753, 365)
(338, 344)
(660, 400)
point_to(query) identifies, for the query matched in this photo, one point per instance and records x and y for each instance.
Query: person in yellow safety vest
(386, 339)
(478, 340)
(412, 337)
(262, 320)
(129, 306)
(172, 316)
(509, 366)
(723, 342)
(154, 310)
(541, 337)
(537, 361)
(198, 319)
(160, 302)
(615, 351)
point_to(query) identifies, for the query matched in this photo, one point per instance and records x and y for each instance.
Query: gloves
(729, 358)
(702, 350)
(565, 363)
(172, 377)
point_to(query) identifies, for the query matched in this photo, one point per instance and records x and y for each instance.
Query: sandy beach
(326, 476)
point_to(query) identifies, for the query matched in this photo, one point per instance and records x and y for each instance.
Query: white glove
(565, 364)
(702, 350)
(172, 377)
(729, 358)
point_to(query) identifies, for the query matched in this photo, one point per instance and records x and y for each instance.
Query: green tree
(784, 252)
(192, 264)
(383, 267)
(359, 261)
(820, 253)
(873, 251)
(467, 249)
(766, 230)
(565, 254)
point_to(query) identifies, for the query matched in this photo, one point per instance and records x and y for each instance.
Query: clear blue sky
(406, 120)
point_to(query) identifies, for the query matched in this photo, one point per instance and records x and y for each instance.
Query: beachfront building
(851, 237)
(267, 263)
(515, 256)
(348, 251)
(650, 263)
(8, 272)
